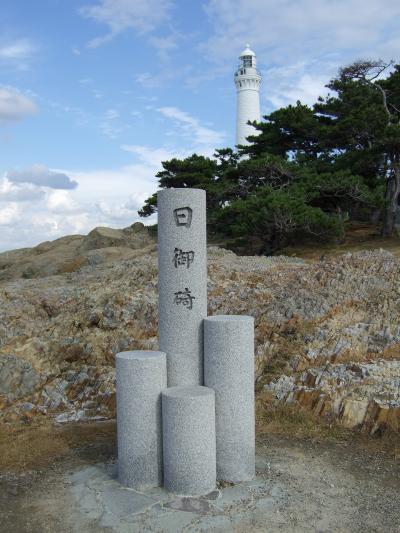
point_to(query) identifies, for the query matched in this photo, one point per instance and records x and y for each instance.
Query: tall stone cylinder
(189, 440)
(182, 282)
(140, 378)
(229, 370)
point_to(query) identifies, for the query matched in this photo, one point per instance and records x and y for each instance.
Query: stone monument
(182, 282)
(206, 432)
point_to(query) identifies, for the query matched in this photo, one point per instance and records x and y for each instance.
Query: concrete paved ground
(98, 496)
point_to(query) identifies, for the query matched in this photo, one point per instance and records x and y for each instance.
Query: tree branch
(384, 99)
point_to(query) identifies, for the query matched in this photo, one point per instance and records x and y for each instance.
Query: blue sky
(94, 94)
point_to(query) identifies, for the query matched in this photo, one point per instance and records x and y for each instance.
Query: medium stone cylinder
(189, 440)
(229, 370)
(182, 282)
(140, 378)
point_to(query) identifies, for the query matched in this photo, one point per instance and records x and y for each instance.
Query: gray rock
(17, 377)
(135, 236)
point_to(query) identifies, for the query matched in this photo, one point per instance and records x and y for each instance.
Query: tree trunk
(392, 201)
(375, 216)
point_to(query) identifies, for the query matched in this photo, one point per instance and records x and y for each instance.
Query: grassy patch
(294, 421)
(41, 443)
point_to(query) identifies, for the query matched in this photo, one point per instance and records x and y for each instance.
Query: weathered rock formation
(327, 333)
(359, 395)
(68, 254)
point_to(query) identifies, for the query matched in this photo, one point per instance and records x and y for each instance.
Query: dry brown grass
(391, 353)
(281, 419)
(294, 421)
(354, 355)
(288, 340)
(41, 443)
(74, 265)
(359, 236)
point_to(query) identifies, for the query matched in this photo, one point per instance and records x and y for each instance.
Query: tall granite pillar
(182, 282)
(229, 370)
(140, 376)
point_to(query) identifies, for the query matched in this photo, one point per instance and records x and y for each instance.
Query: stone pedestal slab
(229, 370)
(189, 440)
(182, 282)
(140, 378)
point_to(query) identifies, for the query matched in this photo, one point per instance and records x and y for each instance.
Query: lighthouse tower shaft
(247, 81)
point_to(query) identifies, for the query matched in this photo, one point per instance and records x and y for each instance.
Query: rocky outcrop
(359, 395)
(69, 254)
(327, 334)
(134, 237)
(18, 378)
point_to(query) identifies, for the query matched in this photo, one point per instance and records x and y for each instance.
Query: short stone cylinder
(189, 440)
(229, 370)
(182, 282)
(140, 378)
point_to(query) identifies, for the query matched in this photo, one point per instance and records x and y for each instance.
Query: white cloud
(152, 81)
(191, 128)
(111, 126)
(103, 197)
(48, 226)
(25, 192)
(131, 180)
(17, 53)
(297, 25)
(39, 204)
(14, 105)
(307, 88)
(85, 81)
(152, 157)
(111, 114)
(119, 212)
(320, 36)
(164, 45)
(32, 213)
(143, 16)
(41, 176)
(17, 50)
(9, 213)
(61, 202)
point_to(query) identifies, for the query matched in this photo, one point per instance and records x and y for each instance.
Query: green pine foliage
(307, 169)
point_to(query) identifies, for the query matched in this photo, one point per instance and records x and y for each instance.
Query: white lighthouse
(247, 81)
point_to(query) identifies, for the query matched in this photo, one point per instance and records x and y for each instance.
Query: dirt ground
(346, 483)
(359, 236)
